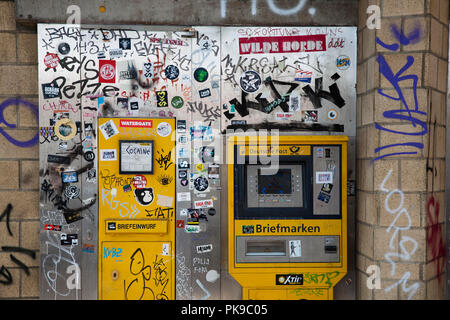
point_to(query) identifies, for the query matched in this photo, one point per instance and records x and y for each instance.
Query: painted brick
(25, 204)
(391, 209)
(410, 25)
(30, 284)
(7, 16)
(8, 47)
(9, 150)
(430, 71)
(381, 169)
(30, 236)
(27, 42)
(397, 62)
(9, 177)
(382, 241)
(365, 243)
(29, 175)
(435, 289)
(9, 114)
(436, 37)
(18, 80)
(13, 289)
(413, 177)
(402, 7)
(385, 32)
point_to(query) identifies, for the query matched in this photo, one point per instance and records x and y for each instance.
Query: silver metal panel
(326, 196)
(286, 249)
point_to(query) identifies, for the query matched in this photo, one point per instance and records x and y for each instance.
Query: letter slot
(266, 248)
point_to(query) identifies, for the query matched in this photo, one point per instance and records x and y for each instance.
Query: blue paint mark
(405, 113)
(17, 101)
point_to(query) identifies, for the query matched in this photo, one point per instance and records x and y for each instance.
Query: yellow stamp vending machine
(136, 185)
(287, 215)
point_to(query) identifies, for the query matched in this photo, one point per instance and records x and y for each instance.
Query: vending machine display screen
(279, 183)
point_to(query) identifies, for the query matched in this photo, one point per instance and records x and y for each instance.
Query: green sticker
(177, 102)
(201, 74)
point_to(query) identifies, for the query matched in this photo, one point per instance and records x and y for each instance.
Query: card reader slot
(265, 248)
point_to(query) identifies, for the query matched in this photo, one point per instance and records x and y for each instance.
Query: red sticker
(139, 182)
(51, 60)
(285, 44)
(180, 223)
(136, 123)
(107, 71)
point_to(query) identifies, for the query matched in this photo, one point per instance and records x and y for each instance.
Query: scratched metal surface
(70, 271)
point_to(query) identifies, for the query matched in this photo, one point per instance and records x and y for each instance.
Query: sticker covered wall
(289, 78)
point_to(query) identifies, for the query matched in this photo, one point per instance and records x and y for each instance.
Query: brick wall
(401, 198)
(19, 166)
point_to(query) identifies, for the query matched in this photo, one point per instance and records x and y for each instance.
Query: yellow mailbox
(287, 215)
(136, 187)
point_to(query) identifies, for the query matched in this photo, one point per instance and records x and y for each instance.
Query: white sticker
(204, 248)
(294, 102)
(201, 204)
(164, 129)
(283, 115)
(183, 196)
(165, 249)
(108, 154)
(295, 248)
(147, 70)
(324, 177)
(109, 129)
(164, 201)
(115, 53)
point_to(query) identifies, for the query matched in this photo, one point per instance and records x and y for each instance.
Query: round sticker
(51, 60)
(72, 192)
(201, 74)
(171, 72)
(250, 81)
(201, 183)
(164, 129)
(89, 156)
(332, 114)
(65, 129)
(343, 62)
(139, 181)
(184, 182)
(63, 48)
(177, 102)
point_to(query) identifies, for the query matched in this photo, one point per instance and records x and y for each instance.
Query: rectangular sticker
(164, 201)
(201, 204)
(69, 176)
(204, 248)
(108, 154)
(107, 71)
(183, 196)
(109, 129)
(136, 226)
(135, 123)
(324, 177)
(286, 44)
(295, 248)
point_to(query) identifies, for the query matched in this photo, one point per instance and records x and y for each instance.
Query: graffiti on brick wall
(5, 275)
(435, 236)
(407, 112)
(16, 102)
(407, 245)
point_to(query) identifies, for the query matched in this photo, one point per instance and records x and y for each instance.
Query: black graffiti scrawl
(334, 95)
